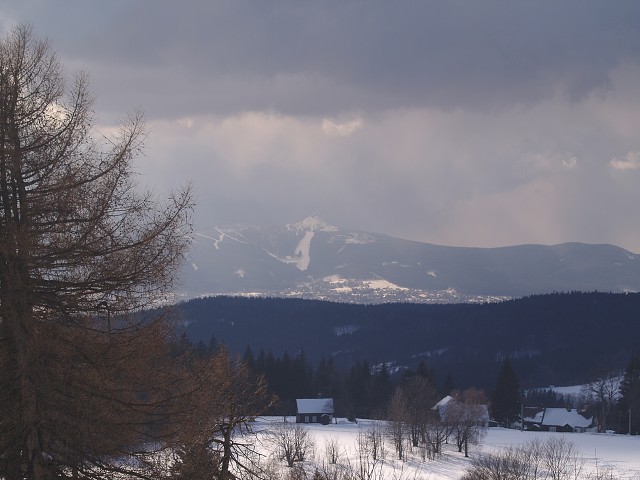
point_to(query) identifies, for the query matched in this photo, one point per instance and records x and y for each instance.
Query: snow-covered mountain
(312, 259)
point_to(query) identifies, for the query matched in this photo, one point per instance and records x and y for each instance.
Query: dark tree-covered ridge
(560, 339)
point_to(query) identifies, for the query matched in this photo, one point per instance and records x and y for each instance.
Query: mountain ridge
(315, 260)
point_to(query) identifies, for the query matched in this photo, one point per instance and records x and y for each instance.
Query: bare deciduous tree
(436, 433)
(224, 401)
(397, 426)
(420, 397)
(332, 450)
(365, 467)
(605, 392)
(466, 414)
(560, 459)
(292, 441)
(374, 432)
(83, 382)
(555, 459)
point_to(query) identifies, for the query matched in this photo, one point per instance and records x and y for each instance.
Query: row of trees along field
(87, 389)
(361, 391)
(364, 391)
(407, 401)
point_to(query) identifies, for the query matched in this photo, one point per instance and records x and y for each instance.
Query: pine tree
(630, 395)
(359, 390)
(448, 386)
(424, 371)
(249, 359)
(505, 398)
(381, 390)
(322, 380)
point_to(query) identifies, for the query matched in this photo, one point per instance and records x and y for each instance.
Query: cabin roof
(561, 416)
(314, 405)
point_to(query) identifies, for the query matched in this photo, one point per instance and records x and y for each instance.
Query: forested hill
(551, 339)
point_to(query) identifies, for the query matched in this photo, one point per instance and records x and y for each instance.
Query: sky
(470, 123)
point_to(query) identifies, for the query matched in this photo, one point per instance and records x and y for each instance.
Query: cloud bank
(466, 123)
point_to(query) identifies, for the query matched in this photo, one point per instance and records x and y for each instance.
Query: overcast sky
(473, 123)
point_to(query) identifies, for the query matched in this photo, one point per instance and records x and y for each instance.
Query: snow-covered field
(618, 453)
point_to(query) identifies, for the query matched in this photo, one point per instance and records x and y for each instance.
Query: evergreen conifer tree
(630, 395)
(505, 398)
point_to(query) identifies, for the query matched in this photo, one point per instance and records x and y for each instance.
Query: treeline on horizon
(559, 339)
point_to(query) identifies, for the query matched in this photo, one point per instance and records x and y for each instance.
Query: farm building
(557, 420)
(451, 410)
(314, 410)
(563, 420)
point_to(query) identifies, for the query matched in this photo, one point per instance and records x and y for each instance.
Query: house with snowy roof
(565, 420)
(314, 410)
(558, 420)
(479, 413)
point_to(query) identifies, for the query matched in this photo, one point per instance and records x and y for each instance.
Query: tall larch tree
(83, 382)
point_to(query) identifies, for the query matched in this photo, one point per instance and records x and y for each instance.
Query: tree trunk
(23, 333)
(226, 452)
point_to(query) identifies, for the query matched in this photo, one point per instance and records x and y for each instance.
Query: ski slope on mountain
(313, 259)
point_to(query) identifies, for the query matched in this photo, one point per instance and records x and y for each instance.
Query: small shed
(314, 410)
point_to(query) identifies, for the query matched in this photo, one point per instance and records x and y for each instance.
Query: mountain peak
(313, 259)
(313, 224)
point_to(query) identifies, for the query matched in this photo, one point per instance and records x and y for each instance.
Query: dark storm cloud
(476, 123)
(303, 57)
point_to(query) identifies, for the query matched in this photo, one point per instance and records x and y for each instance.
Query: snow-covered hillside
(313, 259)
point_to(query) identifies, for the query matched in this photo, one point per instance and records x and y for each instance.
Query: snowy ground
(617, 452)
